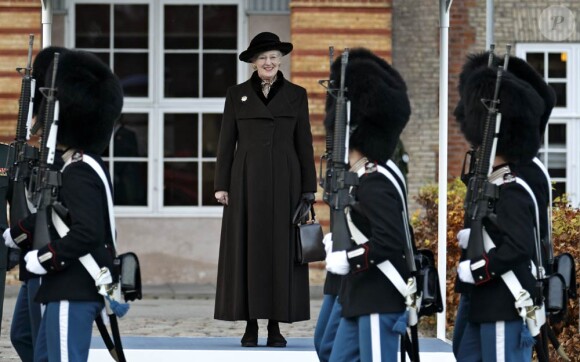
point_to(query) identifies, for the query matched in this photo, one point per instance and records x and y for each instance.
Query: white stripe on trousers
(63, 329)
(375, 337)
(500, 341)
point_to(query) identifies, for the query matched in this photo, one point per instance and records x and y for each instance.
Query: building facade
(176, 58)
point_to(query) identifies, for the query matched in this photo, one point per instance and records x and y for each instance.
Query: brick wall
(18, 19)
(318, 24)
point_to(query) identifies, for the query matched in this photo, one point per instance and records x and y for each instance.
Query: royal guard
(91, 99)
(502, 282)
(26, 317)
(372, 310)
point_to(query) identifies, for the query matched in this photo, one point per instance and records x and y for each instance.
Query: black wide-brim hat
(380, 107)
(264, 42)
(90, 99)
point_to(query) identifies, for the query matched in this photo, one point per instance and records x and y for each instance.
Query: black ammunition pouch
(129, 272)
(565, 266)
(428, 283)
(555, 294)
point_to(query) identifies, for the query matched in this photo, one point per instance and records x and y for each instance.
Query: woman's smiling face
(268, 63)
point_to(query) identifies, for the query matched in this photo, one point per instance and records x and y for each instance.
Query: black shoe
(275, 338)
(276, 341)
(250, 338)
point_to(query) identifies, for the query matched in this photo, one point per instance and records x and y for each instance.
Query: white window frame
(155, 105)
(569, 115)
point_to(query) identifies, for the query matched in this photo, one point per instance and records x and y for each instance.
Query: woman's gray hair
(254, 58)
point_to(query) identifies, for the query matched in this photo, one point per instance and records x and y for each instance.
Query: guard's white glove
(327, 241)
(464, 272)
(337, 263)
(33, 264)
(8, 240)
(463, 238)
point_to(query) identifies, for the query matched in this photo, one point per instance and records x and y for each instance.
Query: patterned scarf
(267, 84)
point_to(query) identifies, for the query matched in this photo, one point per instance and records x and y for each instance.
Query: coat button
(372, 261)
(358, 266)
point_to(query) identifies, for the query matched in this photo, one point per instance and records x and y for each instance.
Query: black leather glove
(309, 197)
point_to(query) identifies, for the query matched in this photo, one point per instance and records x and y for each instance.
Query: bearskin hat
(379, 104)
(42, 61)
(522, 70)
(521, 109)
(90, 98)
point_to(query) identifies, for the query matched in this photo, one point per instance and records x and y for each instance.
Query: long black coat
(265, 161)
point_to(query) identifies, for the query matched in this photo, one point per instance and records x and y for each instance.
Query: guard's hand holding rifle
(33, 264)
(463, 238)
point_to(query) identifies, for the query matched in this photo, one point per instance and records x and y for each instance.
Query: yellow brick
(9, 106)
(10, 85)
(341, 41)
(342, 21)
(20, 20)
(9, 63)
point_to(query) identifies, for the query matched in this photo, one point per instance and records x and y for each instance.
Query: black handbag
(309, 246)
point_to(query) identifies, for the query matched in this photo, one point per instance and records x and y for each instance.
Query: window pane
(132, 70)
(181, 27)
(207, 193)
(220, 27)
(131, 26)
(536, 60)
(105, 57)
(219, 73)
(560, 89)
(92, 26)
(559, 188)
(131, 135)
(180, 135)
(557, 164)
(130, 183)
(557, 135)
(557, 65)
(211, 130)
(180, 184)
(181, 75)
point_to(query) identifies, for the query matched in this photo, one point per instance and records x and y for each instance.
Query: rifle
(481, 194)
(46, 182)
(26, 155)
(325, 181)
(341, 179)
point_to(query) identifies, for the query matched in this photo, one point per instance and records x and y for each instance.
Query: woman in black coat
(265, 166)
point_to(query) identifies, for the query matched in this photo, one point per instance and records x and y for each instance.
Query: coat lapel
(279, 106)
(251, 106)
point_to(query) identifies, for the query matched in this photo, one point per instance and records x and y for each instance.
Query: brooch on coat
(244, 98)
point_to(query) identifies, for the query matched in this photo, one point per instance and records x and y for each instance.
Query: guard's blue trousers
(368, 338)
(460, 322)
(493, 342)
(326, 327)
(65, 331)
(26, 320)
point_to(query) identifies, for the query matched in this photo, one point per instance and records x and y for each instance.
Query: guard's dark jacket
(377, 214)
(533, 175)
(83, 193)
(265, 161)
(512, 231)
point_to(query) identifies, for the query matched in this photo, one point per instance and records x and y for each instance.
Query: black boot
(250, 338)
(275, 338)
